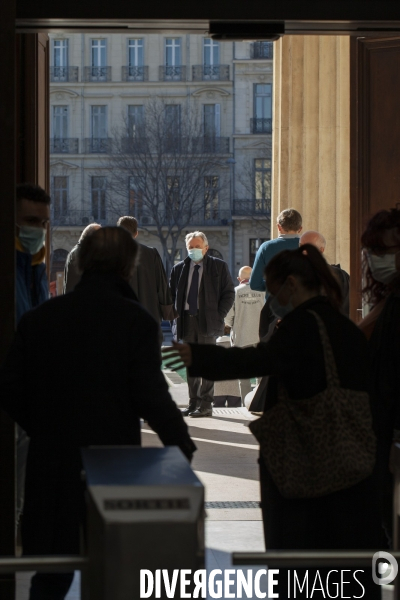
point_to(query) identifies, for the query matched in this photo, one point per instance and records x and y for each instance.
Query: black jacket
(216, 295)
(82, 370)
(151, 285)
(293, 355)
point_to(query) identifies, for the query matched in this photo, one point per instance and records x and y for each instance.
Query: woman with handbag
(317, 447)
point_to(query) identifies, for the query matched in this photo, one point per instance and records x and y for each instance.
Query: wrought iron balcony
(97, 74)
(261, 125)
(62, 74)
(64, 145)
(210, 73)
(171, 73)
(98, 145)
(135, 73)
(210, 144)
(81, 218)
(262, 50)
(257, 207)
(130, 145)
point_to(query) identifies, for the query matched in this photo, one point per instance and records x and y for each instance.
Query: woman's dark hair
(308, 264)
(372, 239)
(108, 250)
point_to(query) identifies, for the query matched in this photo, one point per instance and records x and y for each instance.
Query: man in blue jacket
(289, 223)
(32, 217)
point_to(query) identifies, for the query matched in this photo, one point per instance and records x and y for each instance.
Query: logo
(387, 568)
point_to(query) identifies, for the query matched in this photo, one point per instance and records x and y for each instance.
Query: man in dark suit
(149, 280)
(107, 345)
(203, 293)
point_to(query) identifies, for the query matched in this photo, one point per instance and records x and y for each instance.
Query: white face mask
(383, 268)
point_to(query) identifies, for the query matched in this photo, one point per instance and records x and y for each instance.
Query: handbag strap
(332, 376)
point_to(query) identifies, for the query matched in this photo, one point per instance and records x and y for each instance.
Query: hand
(179, 353)
(227, 330)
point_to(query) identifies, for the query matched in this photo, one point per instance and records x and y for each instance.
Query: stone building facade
(100, 84)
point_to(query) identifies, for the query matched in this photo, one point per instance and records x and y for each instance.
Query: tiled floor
(226, 462)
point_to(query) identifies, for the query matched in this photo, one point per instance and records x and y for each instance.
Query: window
(262, 121)
(210, 52)
(135, 53)
(135, 120)
(60, 60)
(173, 194)
(99, 53)
(99, 122)
(135, 208)
(99, 60)
(262, 184)
(99, 185)
(59, 196)
(211, 200)
(254, 245)
(211, 120)
(60, 122)
(172, 52)
(173, 69)
(263, 101)
(172, 127)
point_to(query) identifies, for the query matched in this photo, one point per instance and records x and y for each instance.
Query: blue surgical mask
(195, 254)
(32, 238)
(279, 310)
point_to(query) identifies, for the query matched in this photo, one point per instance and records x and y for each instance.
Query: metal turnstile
(145, 511)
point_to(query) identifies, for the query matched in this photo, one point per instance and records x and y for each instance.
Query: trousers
(200, 389)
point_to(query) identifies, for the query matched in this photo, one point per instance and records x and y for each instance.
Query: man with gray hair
(317, 239)
(71, 273)
(203, 293)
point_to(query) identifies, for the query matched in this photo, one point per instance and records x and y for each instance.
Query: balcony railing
(211, 145)
(261, 125)
(170, 73)
(135, 73)
(62, 74)
(252, 208)
(210, 73)
(98, 145)
(262, 50)
(97, 74)
(81, 218)
(64, 145)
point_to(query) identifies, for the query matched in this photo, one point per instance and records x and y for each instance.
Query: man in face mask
(203, 293)
(32, 217)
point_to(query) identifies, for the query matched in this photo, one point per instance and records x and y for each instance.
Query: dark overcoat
(216, 295)
(150, 284)
(82, 370)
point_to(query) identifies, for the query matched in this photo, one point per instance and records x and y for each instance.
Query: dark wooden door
(375, 140)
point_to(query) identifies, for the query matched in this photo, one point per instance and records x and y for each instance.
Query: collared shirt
(289, 235)
(191, 269)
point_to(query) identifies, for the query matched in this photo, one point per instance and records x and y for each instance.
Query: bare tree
(167, 166)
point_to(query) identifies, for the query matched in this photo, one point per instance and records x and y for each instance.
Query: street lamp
(231, 162)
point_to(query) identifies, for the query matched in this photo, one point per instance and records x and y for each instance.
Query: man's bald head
(315, 239)
(244, 273)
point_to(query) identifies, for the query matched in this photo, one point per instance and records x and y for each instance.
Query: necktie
(194, 291)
